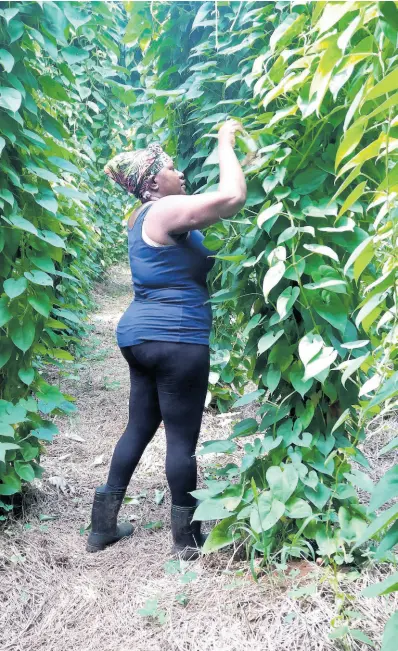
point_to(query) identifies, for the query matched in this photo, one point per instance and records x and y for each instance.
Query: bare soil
(56, 597)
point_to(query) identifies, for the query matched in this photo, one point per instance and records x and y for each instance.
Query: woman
(164, 334)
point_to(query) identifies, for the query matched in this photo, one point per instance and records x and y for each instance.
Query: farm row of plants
(304, 292)
(65, 93)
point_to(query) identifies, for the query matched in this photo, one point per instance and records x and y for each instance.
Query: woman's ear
(152, 183)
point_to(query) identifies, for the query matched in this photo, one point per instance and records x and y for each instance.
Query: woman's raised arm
(181, 213)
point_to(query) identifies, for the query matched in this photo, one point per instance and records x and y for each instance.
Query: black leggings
(168, 382)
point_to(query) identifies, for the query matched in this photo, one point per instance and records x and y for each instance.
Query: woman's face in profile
(170, 181)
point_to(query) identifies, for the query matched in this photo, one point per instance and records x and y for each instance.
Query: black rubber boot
(104, 528)
(187, 537)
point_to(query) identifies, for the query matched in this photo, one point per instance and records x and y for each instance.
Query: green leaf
(157, 524)
(53, 89)
(390, 584)
(22, 335)
(76, 16)
(332, 13)
(298, 508)
(72, 193)
(356, 634)
(268, 213)
(326, 541)
(10, 98)
(268, 340)
(286, 300)
(23, 224)
(386, 85)
(53, 239)
(245, 427)
(305, 591)
(272, 278)
(286, 31)
(296, 375)
(367, 308)
(362, 255)
(352, 366)
(3, 449)
(64, 164)
(42, 173)
(389, 540)
(39, 277)
(388, 390)
(322, 250)
(45, 432)
(47, 201)
(41, 303)
(248, 398)
(332, 309)
(318, 496)
(320, 363)
(282, 482)
(326, 284)
(389, 641)
(13, 287)
(73, 54)
(266, 514)
(6, 60)
(392, 445)
(272, 378)
(24, 470)
(309, 180)
(5, 314)
(220, 536)
(211, 510)
(5, 350)
(378, 524)
(26, 375)
(309, 346)
(385, 490)
(68, 315)
(220, 446)
(352, 198)
(350, 140)
(44, 263)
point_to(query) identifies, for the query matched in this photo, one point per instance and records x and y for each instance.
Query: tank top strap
(135, 231)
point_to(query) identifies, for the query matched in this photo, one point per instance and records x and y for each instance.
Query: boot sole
(99, 545)
(187, 553)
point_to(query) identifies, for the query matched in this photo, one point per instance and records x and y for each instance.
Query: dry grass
(56, 597)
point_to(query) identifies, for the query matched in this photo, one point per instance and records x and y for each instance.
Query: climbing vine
(304, 292)
(65, 94)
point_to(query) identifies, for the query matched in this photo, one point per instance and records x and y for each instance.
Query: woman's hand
(227, 132)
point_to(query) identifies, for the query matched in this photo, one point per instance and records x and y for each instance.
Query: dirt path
(56, 597)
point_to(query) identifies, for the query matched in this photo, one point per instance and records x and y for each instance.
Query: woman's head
(148, 173)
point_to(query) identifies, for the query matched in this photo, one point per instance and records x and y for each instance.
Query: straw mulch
(56, 597)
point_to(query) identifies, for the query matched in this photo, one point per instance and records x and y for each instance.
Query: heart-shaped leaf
(13, 287)
(26, 375)
(282, 482)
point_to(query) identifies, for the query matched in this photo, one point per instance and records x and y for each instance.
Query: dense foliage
(64, 98)
(307, 271)
(305, 289)
(304, 292)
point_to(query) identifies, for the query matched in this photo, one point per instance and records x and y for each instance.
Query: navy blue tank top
(170, 290)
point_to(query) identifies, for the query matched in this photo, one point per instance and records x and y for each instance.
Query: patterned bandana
(133, 169)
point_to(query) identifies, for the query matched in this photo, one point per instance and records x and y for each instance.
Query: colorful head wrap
(133, 169)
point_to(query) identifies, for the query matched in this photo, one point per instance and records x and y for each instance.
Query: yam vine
(305, 289)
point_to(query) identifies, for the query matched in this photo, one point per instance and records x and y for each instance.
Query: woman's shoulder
(135, 213)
